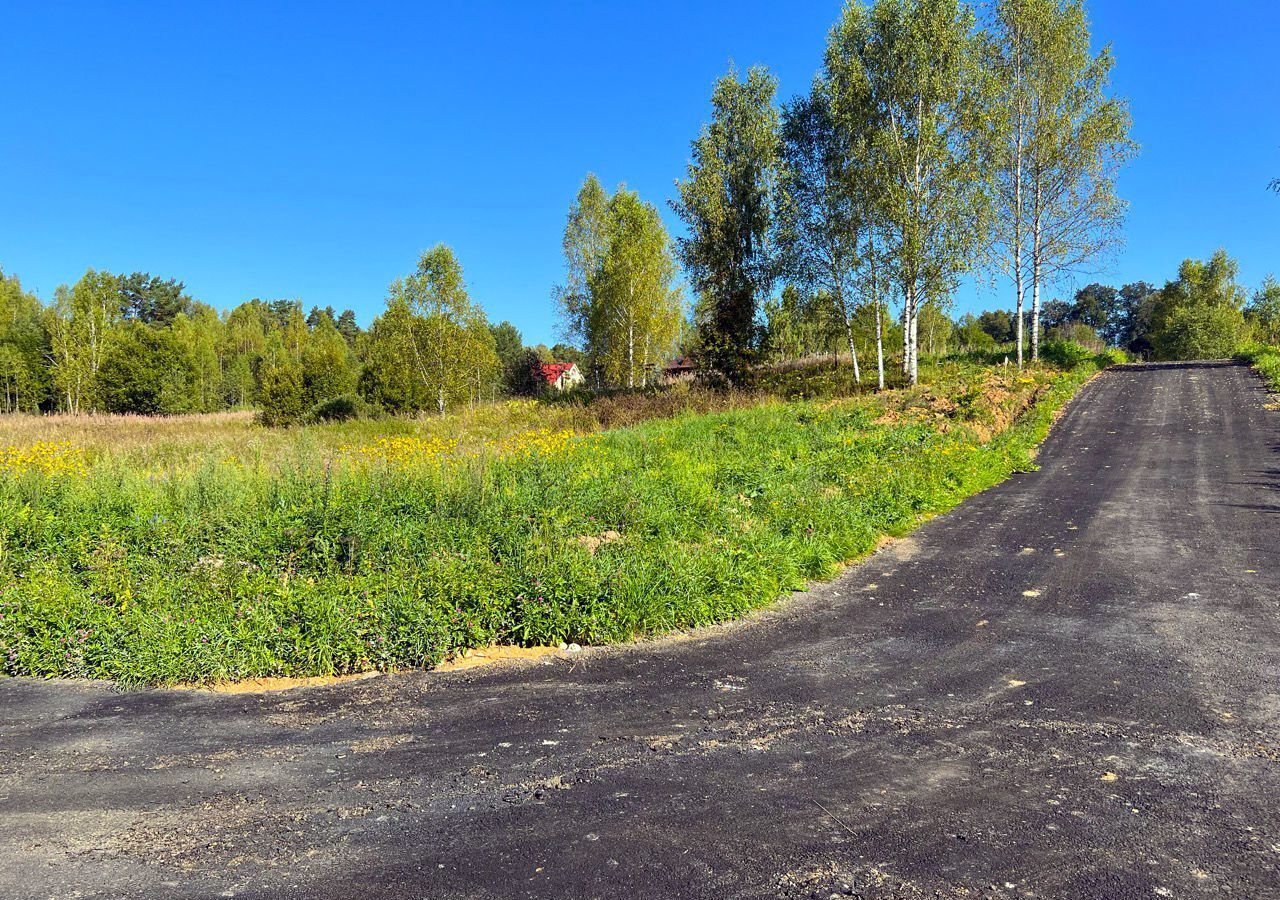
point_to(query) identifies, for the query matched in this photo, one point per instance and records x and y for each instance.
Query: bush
(1112, 356)
(1067, 354)
(1201, 332)
(339, 409)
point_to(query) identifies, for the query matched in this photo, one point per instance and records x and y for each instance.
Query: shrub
(1112, 356)
(1201, 331)
(1067, 354)
(282, 392)
(339, 409)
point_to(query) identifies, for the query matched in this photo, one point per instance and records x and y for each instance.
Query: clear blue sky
(313, 150)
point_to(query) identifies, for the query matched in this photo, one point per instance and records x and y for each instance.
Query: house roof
(552, 371)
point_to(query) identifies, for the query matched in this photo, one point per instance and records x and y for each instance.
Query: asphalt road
(1067, 687)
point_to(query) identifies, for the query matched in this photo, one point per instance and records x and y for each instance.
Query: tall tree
(348, 327)
(908, 74)
(726, 202)
(328, 369)
(80, 323)
(444, 336)
(24, 347)
(152, 300)
(619, 296)
(1077, 137)
(821, 223)
(1009, 56)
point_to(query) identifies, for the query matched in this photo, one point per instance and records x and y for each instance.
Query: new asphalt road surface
(1069, 686)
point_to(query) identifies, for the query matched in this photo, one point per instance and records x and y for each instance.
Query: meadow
(205, 548)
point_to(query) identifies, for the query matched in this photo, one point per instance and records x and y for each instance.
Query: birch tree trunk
(879, 345)
(1037, 258)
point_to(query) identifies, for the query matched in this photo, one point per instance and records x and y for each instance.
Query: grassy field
(207, 548)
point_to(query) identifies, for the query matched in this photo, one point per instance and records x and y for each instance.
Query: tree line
(141, 344)
(1203, 312)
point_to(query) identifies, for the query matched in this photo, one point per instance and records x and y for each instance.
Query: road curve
(1067, 687)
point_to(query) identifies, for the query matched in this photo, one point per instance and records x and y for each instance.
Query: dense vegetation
(164, 556)
(410, 511)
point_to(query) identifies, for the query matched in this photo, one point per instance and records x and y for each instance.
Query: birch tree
(443, 336)
(1009, 57)
(909, 74)
(619, 298)
(1074, 139)
(821, 224)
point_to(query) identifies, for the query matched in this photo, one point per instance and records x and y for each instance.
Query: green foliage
(144, 370)
(619, 295)
(432, 349)
(1201, 332)
(908, 87)
(283, 394)
(970, 334)
(1067, 354)
(1198, 315)
(1263, 311)
(328, 366)
(726, 202)
(313, 559)
(339, 409)
(1266, 360)
(24, 346)
(152, 300)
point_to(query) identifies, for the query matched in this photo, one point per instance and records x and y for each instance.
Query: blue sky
(313, 150)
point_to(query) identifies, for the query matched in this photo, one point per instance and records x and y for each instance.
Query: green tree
(152, 300)
(198, 333)
(1264, 311)
(328, 369)
(145, 371)
(563, 352)
(821, 221)
(1072, 139)
(282, 393)
(726, 202)
(443, 336)
(1098, 306)
(619, 296)
(348, 327)
(80, 323)
(24, 347)
(508, 343)
(999, 324)
(907, 75)
(1135, 318)
(244, 343)
(971, 336)
(1198, 315)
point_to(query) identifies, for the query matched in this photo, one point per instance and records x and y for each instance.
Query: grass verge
(397, 552)
(1266, 360)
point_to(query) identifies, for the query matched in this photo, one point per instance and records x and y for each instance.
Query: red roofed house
(561, 376)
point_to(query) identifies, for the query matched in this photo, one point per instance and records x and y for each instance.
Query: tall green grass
(315, 562)
(1267, 362)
